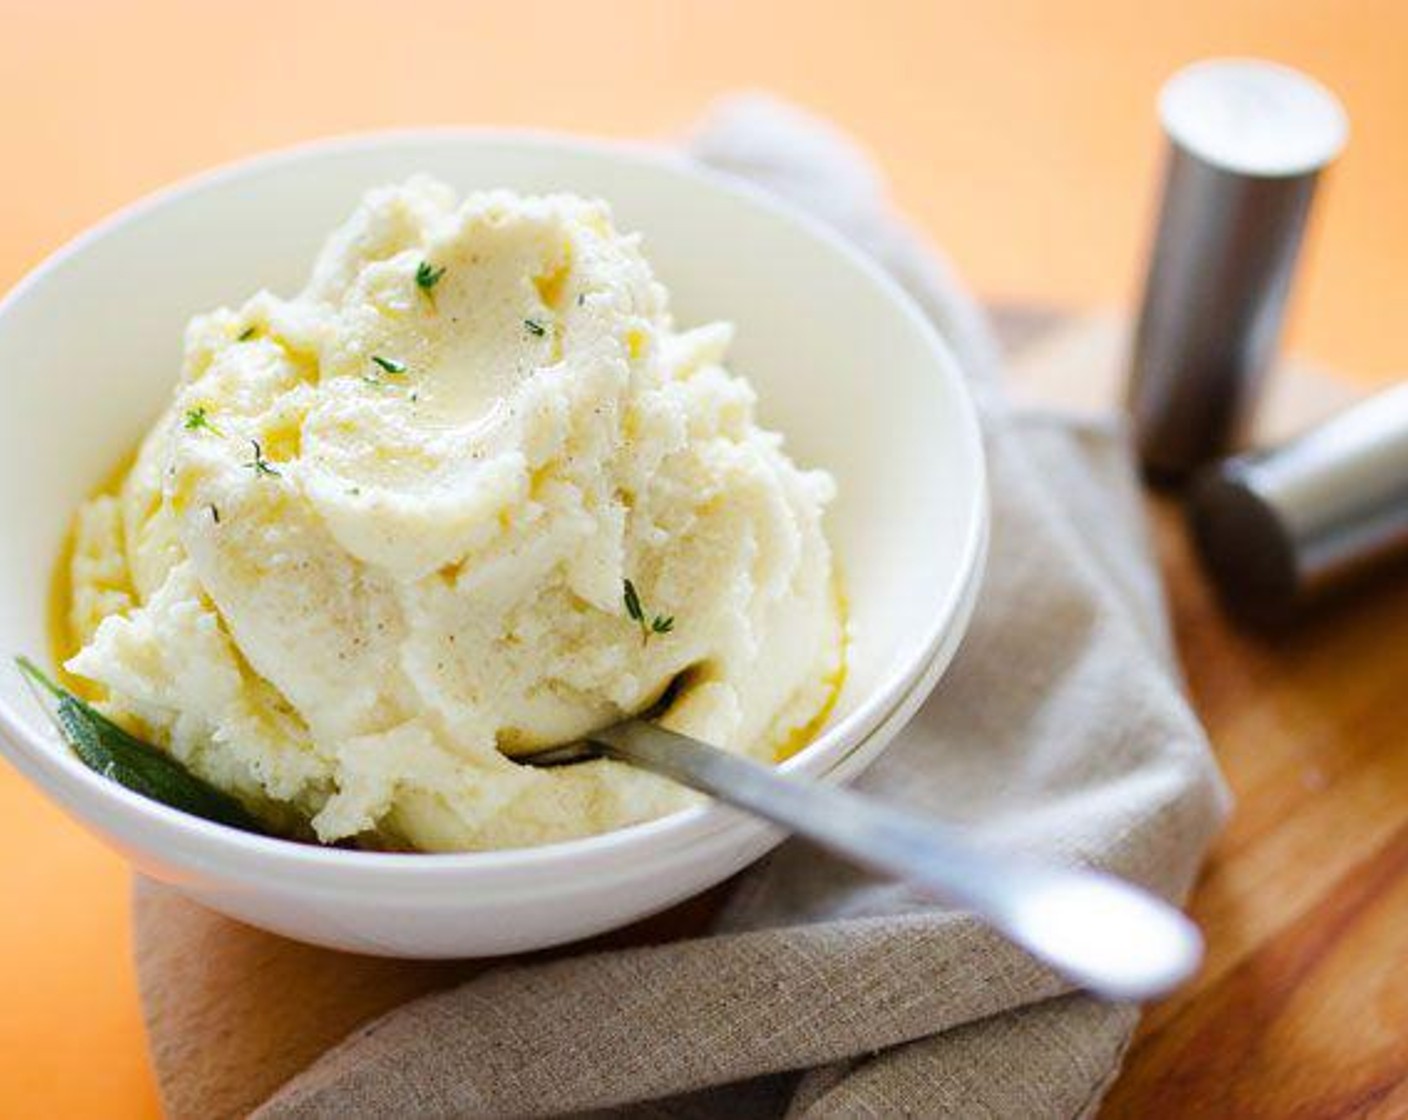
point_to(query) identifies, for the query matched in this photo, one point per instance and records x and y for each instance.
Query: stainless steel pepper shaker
(1247, 141)
(1279, 529)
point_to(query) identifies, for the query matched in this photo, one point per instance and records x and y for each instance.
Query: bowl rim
(951, 610)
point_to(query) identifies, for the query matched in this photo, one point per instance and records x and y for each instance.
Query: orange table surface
(1020, 136)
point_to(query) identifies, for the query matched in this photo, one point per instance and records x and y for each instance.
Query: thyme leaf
(260, 465)
(655, 624)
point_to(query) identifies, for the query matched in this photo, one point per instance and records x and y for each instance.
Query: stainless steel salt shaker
(1278, 529)
(1247, 141)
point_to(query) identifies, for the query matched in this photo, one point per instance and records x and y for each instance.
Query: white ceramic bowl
(843, 361)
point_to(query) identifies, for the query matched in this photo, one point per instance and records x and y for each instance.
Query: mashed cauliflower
(381, 539)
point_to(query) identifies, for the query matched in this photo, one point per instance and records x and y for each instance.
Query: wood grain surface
(1302, 1008)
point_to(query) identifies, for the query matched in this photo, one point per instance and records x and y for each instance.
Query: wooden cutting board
(1302, 1009)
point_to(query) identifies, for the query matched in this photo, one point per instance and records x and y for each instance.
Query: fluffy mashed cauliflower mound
(379, 541)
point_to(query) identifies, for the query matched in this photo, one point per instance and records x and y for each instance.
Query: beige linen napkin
(821, 991)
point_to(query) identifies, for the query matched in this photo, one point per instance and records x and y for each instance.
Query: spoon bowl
(1103, 934)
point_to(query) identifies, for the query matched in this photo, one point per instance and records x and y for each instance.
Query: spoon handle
(1100, 932)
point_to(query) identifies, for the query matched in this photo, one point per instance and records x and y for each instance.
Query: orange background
(1021, 137)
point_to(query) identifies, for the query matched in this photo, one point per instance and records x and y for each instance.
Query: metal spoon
(1100, 932)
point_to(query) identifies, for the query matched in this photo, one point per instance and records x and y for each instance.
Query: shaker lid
(1247, 546)
(1281, 527)
(1253, 117)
